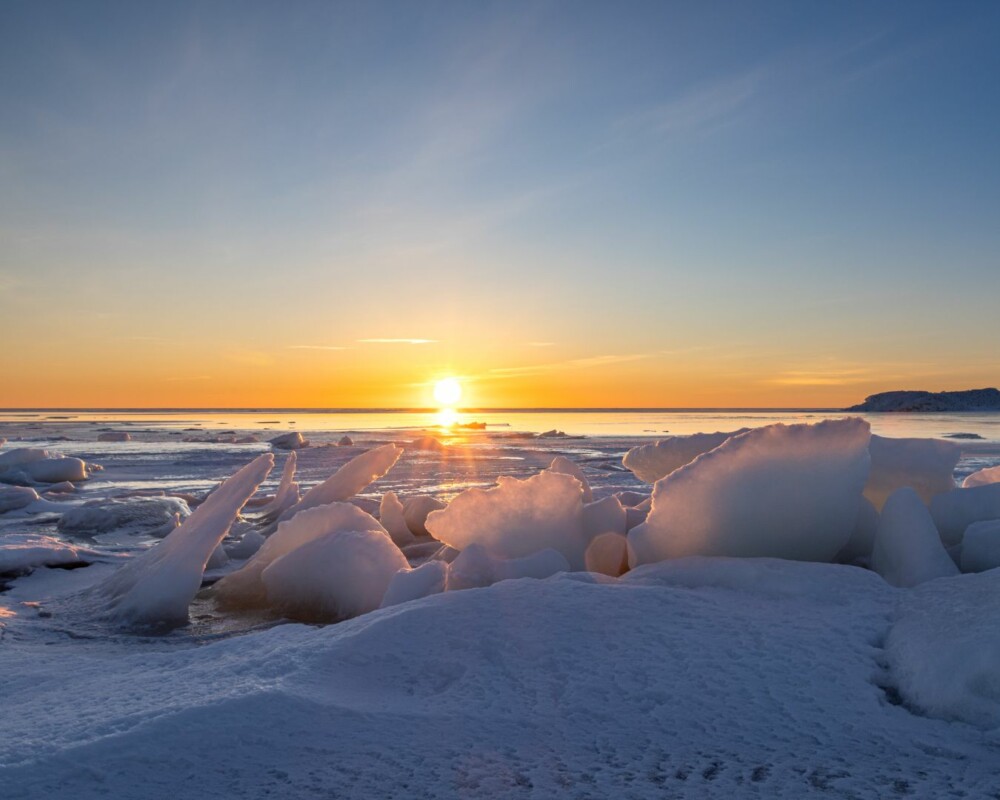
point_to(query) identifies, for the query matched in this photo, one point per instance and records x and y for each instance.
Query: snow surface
(790, 491)
(474, 567)
(746, 679)
(429, 578)
(944, 650)
(908, 549)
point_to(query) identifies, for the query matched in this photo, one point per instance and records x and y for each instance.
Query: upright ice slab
(157, 586)
(787, 491)
(350, 479)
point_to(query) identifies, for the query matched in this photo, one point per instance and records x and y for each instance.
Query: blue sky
(750, 201)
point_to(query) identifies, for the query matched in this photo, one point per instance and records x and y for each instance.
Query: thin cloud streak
(397, 341)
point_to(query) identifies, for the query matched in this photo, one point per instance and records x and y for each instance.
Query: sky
(699, 204)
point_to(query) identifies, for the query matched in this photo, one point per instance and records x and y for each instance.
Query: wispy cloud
(397, 341)
(317, 347)
(574, 363)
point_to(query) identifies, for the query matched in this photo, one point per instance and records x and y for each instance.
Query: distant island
(968, 400)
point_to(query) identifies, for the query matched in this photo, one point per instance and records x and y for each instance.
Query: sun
(447, 392)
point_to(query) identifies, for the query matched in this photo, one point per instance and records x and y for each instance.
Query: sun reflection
(447, 417)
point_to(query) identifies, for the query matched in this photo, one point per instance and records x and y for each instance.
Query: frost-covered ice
(415, 512)
(476, 568)
(139, 514)
(786, 491)
(862, 540)
(908, 549)
(925, 465)
(289, 441)
(114, 436)
(650, 462)
(21, 552)
(15, 497)
(517, 518)
(392, 517)
(287, 494)
(567, 466)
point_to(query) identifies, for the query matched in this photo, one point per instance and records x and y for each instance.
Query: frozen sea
(697, 678)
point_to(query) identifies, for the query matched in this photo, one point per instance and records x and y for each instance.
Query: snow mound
(345, 441)
(415, 512)
(981, 546)
(15, 497)
(650, 462)
(141, 515)
(245, 589)
(476, 568)
(982, 478)
(429, 578)
(392, 517)
(787, 491)
(944, 649)
(926, 465)
(335, 577)
(350, 479)
(23, 552)
(157, 587)
(32, 465)
(517, 518)
(289, 441)
(956, 510)
(287, 494)
(907, 549)
(20, 456)
(565, 466)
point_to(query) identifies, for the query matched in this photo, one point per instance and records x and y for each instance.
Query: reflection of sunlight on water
(447, 417)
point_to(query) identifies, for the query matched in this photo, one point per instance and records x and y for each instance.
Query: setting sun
(447, 392)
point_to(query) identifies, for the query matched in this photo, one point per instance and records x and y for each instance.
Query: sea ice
(925, 465)
(287, 494)
(603, 516)
(102, 516)
(415, 511)
(244, 588)
(429, 578)
(907, 549)
(650, 462)
(607, 554)
(345, 441)
(565, 466)
(982, 478)
(23, 552)
(337, 576)
(350, 479)
(981, 546)
(786, 491)
(859, 546)
(944, 649)
(392, 518)
(157, 587)
(114, 436)
(517, 518)
(289, 441)
(954, 511)
(249, 543)
(20, 456)
(15, 497)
